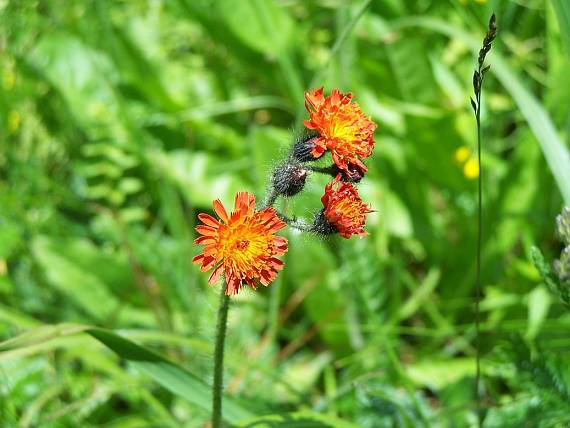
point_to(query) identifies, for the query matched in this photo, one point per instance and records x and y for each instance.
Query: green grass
(119, 121)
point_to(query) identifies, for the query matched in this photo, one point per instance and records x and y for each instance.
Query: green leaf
(198, 175)
(548, 277)
(89, 291)
(396, 216)
(417, 299)
(262, 25)
(562, 9)
(296, 420)
(166, 373)
(82, 75)
(539, 301)
(325, 304)
(438, 374)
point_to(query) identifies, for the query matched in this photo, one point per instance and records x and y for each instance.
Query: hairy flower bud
(322, 226)
(289, 179)
(303, 148)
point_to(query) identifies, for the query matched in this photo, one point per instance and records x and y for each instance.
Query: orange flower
(243, 246)
(344, 209)
(343, 129)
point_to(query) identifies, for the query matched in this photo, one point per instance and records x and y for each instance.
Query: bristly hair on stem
(478, 78)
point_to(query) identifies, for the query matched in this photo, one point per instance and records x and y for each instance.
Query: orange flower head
(343, 129)
(344, 209)
(242, 245)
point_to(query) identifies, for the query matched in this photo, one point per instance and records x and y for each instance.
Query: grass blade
(562, 9)
(166, 373)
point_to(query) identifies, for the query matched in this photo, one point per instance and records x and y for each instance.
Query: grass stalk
(478, 78)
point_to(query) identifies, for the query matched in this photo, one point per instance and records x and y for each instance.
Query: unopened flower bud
(289, 179)
(322, 226)
(304, 147)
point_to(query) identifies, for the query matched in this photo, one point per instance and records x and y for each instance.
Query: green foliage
(556, 286)
(119, 121)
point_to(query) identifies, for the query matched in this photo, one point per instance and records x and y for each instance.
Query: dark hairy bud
(289, 179)
(322, 226)
(303, 148)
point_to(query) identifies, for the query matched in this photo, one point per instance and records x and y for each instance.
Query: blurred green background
(120, 120)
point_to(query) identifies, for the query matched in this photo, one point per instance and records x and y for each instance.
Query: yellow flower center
(243, 247)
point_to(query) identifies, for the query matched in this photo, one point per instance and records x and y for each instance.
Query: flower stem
(219, 359)
(270, 198)
(328, 170)
(294, 223)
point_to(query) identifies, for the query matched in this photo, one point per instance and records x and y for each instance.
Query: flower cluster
(243, 245)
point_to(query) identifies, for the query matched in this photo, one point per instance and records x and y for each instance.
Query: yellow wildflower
(471, 169)
(462, 154)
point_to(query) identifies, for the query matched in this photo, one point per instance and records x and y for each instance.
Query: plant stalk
(478, 77)
(478, 276)
(217, 388)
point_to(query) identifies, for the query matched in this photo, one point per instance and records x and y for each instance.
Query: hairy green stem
(294, 223)
(328, 170)
(270, 198)
(219, 359)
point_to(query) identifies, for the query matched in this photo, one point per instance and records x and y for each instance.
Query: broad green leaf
(166, 373)
(86, 289)
(412, 72)
(395, 215)
(262, 25)
(438, 374)
(81, 74)
(539, 301)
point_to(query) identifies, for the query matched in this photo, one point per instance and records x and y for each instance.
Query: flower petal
(216, 274)
(220, 210)
(209, 220)
(206, 230)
